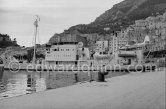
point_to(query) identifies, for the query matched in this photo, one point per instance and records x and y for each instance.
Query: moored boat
(66, 54)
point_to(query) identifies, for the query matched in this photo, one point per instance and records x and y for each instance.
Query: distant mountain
(123, 14)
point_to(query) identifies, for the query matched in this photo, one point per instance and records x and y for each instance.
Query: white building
(118, 41)
(141, 23)
(101, 46)
(113, 45)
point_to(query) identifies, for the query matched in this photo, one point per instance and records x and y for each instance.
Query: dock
(132, 91)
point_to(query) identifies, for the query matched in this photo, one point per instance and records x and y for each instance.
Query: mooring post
(76, 77)
(101, 77)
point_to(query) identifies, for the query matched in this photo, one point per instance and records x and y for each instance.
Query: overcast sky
(17, 16)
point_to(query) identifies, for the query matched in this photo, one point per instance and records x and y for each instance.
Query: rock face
(133, 10)
(124, 14)
(121, 10)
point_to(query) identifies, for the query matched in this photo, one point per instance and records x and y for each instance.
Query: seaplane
(146, 42)
(134, 54)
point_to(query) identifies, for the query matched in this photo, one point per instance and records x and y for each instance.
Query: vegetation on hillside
(5, 41)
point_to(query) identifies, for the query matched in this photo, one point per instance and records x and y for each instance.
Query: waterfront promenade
(132, 91)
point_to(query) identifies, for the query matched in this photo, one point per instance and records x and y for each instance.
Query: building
(113, 45)
(118, 40)
(101, 46)
(155, 51)
(69, 37)
(152, 26)
(141, 23)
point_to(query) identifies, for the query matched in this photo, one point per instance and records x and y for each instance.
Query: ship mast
(36, 24)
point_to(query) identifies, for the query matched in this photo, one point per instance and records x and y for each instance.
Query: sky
(17, 17)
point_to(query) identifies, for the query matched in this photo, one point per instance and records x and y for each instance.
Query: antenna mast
(36, 24)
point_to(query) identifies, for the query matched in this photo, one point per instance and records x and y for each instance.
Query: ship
(126, 58)
(66, 56)
(71, 55)
(132, 58)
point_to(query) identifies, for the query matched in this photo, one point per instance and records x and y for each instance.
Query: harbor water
(22, 82)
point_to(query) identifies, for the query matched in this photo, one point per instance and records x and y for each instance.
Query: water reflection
(21, 83)
(15, 84)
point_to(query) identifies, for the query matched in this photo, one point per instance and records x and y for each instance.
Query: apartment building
(101, 46)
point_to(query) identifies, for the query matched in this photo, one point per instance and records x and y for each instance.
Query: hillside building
(101, 46)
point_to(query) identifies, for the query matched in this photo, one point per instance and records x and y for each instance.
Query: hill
(122, 15)
(119, 17)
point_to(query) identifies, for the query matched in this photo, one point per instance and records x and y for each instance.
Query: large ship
(131, 57)
(65, 55)
(126, 58)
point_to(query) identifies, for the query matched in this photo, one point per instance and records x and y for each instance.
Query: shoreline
(96, 91)
(76, 77)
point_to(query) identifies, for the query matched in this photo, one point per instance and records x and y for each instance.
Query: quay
(132, 91)
(86, 67)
